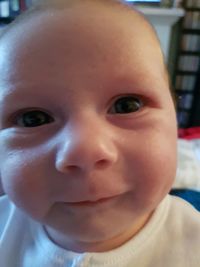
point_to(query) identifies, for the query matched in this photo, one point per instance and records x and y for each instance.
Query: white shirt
(171, 238)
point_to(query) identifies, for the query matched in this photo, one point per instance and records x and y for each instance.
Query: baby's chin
(97, 236)
(89, 241)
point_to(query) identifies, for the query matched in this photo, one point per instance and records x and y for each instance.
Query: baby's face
(88, 127)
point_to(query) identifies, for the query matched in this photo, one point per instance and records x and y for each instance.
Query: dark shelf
(6, 20)
(192, 31)
(183, 92)
(192, 9)
(185, 52)
(183, 72)
(184, 109)
(188, 104)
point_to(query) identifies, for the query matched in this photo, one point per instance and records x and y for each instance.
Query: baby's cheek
(150, 180)
(12, 182)
(19, 183)
(152, 162)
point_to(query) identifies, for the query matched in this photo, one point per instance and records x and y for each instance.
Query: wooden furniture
(187, 74)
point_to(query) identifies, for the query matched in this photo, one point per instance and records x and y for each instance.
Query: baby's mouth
(92, 203)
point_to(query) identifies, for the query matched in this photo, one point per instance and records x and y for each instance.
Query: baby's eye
(33, 118)
(126, 104)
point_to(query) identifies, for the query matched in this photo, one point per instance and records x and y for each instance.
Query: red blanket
(189, 133)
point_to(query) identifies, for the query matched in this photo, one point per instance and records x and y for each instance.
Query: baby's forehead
(82, 39)
(81, 42)
(77, 21)
(119, 9)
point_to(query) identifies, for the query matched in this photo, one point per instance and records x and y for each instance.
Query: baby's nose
(86, 149)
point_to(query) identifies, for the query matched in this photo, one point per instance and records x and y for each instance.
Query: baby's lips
(93, 202)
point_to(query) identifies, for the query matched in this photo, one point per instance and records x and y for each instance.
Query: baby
(88, 142)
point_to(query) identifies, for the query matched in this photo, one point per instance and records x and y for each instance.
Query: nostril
(72, 168)
(99, 164)
(102, 163)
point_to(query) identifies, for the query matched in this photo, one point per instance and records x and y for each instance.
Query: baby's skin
(87, 123)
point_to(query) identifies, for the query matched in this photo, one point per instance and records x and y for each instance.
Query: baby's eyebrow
(15, 95)
(5, 95)
(12, 89)
(8, 95)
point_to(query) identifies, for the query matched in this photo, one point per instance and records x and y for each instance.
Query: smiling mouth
(91, 203)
